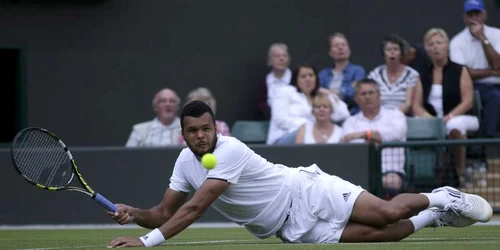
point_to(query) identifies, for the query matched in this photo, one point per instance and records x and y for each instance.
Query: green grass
(476, 237)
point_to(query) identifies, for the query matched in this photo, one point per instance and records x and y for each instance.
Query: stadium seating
(250, 131)
(422, 163)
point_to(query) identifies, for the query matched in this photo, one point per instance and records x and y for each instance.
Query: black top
(451, 86)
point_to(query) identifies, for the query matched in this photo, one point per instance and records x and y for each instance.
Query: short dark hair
(196, 109)
(396, 39)
(295, 76)
(367, 81)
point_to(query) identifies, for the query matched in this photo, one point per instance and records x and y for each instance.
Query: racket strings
(42, 159)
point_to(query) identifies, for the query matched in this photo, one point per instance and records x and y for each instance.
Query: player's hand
(125, 242)
(123, 214)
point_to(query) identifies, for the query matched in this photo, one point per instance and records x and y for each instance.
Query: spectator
(395, 80)
(204, 95)
(446, 91)
(323, 130)
(416, 57)
(340, 78)
(280, 75)
(164, 129)
(477, 47)
(378, 124)
(292, 107)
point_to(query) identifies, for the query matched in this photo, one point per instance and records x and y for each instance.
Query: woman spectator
(396, 80)
(446, 91)
(292, 106)
(204, 95)
(323, 130)
(280, 75)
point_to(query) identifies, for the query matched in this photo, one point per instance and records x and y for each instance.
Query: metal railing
(472, 166)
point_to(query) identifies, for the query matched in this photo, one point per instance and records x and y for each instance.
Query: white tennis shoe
(471, 206)
(447, 218)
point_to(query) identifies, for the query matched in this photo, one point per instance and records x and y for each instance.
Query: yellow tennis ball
(209, 161)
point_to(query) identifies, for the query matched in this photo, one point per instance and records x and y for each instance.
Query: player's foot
(444, 218)
(471, 206)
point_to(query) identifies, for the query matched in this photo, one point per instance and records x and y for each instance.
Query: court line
(164, 244)
(110, 226)
(410, 241)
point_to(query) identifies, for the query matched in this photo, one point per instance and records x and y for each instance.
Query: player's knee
(390, 214)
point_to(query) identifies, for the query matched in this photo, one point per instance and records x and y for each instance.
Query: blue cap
(470, 5)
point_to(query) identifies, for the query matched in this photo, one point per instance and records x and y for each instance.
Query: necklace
(324, 135)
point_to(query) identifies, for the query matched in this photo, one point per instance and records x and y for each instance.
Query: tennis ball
(208, 161)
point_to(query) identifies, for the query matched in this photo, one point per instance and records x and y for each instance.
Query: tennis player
(298, 205)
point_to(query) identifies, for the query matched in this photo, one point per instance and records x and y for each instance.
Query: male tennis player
(298, 205)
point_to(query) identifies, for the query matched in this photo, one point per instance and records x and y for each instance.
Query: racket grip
(105, 202)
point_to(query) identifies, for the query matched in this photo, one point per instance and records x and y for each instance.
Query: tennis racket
(44, 161)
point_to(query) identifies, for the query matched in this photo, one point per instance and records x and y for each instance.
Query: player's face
(200, 134)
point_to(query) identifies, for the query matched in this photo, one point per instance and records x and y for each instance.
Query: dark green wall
(139, 177)
(92, 67)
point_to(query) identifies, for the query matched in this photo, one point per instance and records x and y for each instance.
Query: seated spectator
(478, 48)
(280, 75)
(446, 91)
(164, 129)
(396, 80)
(378, 124)
(416, 57)
(323, 130)
(292, 106)
(340, 78)
(204, 95)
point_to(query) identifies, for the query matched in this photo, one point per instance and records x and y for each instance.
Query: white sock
(421, 220)
(439, 199)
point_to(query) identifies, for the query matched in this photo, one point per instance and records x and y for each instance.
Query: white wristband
(153, 238)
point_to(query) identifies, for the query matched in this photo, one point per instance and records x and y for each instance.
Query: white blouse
(290, 109)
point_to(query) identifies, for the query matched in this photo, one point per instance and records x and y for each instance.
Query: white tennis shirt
(259, 193)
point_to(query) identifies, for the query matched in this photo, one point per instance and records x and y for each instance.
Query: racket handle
(105, 202)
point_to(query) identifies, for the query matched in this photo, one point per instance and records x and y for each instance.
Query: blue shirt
(352, 73)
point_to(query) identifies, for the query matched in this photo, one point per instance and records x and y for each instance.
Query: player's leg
(356, 232)
(371, 210)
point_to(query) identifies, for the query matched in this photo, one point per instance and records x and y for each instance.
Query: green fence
(473, 166)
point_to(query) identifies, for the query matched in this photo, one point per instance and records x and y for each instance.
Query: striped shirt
(393, 95)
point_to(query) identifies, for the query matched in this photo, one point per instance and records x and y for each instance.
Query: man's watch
(486, 42)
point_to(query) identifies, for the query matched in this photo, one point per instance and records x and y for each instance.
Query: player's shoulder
(185, 155)
(228, 142)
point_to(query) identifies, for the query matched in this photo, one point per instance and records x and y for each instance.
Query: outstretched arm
(209, 191)
(153, 217)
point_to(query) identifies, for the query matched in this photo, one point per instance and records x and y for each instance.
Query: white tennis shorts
(321, 207)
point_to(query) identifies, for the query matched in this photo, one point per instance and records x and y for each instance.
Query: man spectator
(339, 78)
(377, 124)
(279, 60)
(164, 129)
(477, 47)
